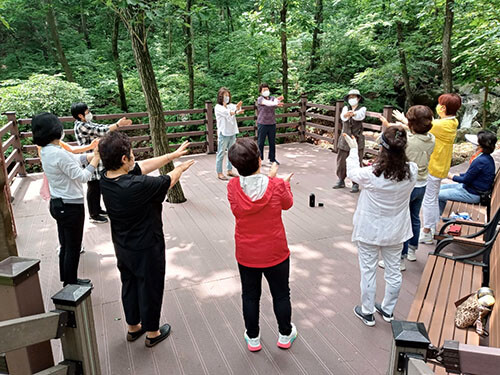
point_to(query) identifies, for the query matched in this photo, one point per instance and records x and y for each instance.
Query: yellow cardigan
(445, 131)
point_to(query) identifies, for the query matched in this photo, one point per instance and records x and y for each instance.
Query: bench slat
(432, 293)
(418, 300)
(461, 334)
(477, 278)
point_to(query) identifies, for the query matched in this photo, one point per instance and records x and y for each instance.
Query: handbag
(472, 309)
(485, 198)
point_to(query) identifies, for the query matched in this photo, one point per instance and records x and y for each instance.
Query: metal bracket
(63, 322)
(404, 357)
(71, 319)
(74, 367)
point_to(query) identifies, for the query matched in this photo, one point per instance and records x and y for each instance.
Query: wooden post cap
(410, 334)
(71, 295)
(14, 270)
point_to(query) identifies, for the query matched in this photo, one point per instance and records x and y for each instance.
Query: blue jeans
(224, 143)
(455, 192)
(416, 199)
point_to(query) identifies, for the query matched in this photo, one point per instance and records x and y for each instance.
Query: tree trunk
(85, 30)
(116, 60)
(207, 28)
(153, 100)
(485, 104)
(446, 60)
(259, 74)
(7, 240)
(51, 20)
(284, 57)
(318, 19)
(404, 67)
(230, 18)
(188, 33)
(169, 38)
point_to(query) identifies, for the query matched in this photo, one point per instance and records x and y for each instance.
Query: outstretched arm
(149, 165)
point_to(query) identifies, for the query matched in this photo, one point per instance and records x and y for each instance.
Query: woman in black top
(134, 204)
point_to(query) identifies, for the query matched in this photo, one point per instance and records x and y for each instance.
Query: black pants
(268, 131)
(70, 219)
(143, 277)
(251, 285)
(94, 198)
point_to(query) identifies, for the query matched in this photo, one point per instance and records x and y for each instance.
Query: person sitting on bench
(477, 180)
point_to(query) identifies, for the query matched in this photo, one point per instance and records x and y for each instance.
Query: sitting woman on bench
(382, 219)
(477, 180)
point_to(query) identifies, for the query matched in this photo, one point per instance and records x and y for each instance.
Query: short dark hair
(78, 109)
(487, 141)
(46, 128)
(220, 95)
(263, 85)
(392, 161)
(112, 148)
(419, 119)
(452, 102)
(245, 155)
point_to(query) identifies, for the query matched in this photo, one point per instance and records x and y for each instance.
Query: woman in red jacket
(261, 247)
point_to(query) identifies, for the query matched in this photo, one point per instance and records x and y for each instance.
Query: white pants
(430, 205)
(368, 259)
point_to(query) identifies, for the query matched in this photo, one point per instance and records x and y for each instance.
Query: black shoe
(164, 332)
(103, 213)
(99, 219)
(387, 317)
(274, 161)
(85, 282)
(368, 319)
(339, 185)
(132, 336)
(355, 188)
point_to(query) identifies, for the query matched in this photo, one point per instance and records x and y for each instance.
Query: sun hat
(472, 138)
(354, 92)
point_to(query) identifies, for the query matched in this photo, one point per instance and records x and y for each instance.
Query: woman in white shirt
(382, 219)
(66, 178)
(227, 128)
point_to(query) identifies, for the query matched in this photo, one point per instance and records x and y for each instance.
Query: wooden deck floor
(202, 291)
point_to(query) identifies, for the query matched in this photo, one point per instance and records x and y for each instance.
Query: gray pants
(368, 257)
(341, 162)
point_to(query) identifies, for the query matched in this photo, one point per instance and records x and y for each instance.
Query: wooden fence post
(256, 126)
(79, 342)
(302, 126)
(387, 112)
(7, 228)
(338, 123)
(21, 296)
(11, 116)
(209, 115)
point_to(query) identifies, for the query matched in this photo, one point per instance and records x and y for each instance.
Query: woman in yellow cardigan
(444, 130)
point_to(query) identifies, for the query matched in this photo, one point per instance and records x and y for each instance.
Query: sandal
(222, 177)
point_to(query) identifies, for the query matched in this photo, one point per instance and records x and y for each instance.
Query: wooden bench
(446, 279)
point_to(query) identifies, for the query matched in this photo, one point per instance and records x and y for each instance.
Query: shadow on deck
(202, 291)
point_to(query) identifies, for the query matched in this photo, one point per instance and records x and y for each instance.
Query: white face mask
(266, 93)
(226, 99)
(89, 117)
(62, 135)
(353, 102)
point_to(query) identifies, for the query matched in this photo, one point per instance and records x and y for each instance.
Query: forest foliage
(392, 51)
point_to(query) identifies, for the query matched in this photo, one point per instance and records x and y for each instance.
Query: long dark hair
(392, 161)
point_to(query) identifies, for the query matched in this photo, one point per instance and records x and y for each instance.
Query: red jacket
(260, 235)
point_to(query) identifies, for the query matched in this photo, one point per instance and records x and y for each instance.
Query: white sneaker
(402, 265)
(253, 344)
(427, 238)
(284, 342)
(411, 256)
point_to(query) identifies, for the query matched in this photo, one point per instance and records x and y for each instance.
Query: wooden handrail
(6, 128)
(321, 106)
(9, 142)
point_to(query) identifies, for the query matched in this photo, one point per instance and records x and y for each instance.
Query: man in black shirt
(134, 204)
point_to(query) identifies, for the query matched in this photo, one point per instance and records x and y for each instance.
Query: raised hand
(289, 177)
(124, 122)
(274, 170)
(384, 121)
(239, 104)
(351, 141)
(185, 166)
(280, 98)
(182, 150)
(400, 116)
(94, 144)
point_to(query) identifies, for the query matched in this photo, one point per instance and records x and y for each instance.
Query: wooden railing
(300, 120)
